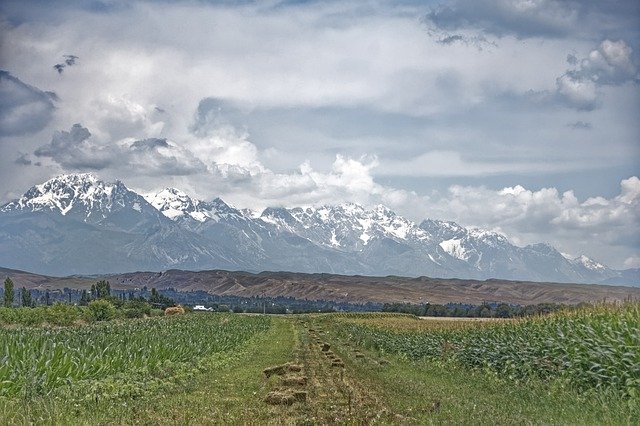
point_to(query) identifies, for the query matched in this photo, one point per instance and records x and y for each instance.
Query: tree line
(485, 310)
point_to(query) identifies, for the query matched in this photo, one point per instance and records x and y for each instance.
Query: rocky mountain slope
(78, 224)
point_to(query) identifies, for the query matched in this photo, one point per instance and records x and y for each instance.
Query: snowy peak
(174, 203)
(442, 230)
(177, 205)
(345, 226)
(589, 263)
(344, 238)
(72, 193)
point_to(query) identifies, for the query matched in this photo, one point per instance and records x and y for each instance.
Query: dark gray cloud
(77, 150)
(451, 39)
(213, 113)
(69, 61)
(149, 144)
(541, 18)
(23, 160)
(24, 109)
(73, 150)
(478, 41)
(580, 125)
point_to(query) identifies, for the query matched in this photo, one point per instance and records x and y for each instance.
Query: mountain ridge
(170, 229)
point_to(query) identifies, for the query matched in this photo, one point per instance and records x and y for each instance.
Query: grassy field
(331, 369)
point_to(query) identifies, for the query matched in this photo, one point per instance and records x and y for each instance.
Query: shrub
(61, 314)
(136, 309)
(102, 310)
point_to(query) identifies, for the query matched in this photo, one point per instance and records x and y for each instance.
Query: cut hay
(285, 397)
(300, 396)
(280, 398)
(174, 310)
(294, 380)
(281, 370)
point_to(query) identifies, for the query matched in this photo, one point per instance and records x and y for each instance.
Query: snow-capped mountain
(80, 224)
(80, 193)
(178, 206)
(347, 227)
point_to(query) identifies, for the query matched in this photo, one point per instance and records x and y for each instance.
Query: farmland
(573, 367)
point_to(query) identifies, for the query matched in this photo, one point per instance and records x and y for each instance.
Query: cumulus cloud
(72, 149)
(610, 64)
(529, 216)
(118, 117)
(24, 109)
(77, 150)
(577, 92)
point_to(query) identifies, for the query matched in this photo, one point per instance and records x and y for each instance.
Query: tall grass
(596, 348)
(37, 360)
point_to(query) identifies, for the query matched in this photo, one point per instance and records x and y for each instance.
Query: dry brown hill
(341, 288)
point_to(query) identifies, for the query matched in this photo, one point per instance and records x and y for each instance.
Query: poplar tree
(8, 293)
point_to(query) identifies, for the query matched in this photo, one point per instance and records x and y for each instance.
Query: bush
(102, 310)
(156, 312)
(136, 309)
(7, 315)
(61, 314)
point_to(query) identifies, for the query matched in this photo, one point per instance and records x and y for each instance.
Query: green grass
(224, 387)
(208, 370)
(426, 392)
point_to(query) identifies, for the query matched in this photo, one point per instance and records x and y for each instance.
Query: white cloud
(610, 64)
(578, 92)
(600, 227)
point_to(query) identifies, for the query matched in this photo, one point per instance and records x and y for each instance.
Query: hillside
(343, 288)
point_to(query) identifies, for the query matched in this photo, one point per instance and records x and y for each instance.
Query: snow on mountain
(177, 205)
(85, 198)
(41, 231)
(455, 248)
(589, 264)
(74, 191)
(347, 226)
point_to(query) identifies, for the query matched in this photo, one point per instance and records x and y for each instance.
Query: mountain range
(78, 224)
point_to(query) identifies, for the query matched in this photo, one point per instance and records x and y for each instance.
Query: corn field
(596, 348)
(38, 360)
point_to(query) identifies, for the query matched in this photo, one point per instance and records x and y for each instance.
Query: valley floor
(337, 383)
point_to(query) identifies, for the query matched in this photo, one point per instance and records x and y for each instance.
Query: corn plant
(37, 360)
(596, 348)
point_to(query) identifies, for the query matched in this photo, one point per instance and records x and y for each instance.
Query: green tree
(84, 298)
(8, 293)
(103, 289)
(503, 311)
(27, 301)
(159, 300)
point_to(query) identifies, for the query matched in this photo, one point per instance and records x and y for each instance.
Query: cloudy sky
(514, 115)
